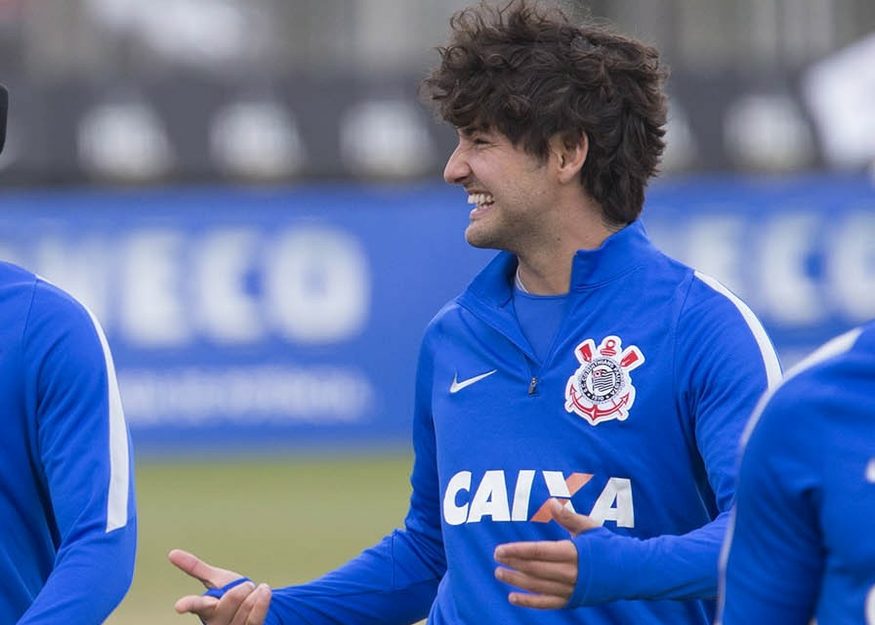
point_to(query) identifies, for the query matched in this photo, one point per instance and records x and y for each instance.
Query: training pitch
(281, 520)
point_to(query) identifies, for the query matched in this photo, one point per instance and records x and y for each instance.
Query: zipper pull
(533, 385)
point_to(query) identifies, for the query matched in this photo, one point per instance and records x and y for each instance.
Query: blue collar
(619, 254)
(490, 293)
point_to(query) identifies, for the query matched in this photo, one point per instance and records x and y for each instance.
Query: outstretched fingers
(210, 576)
(197, 604)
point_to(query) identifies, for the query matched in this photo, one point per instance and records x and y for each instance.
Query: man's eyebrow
(472, 129)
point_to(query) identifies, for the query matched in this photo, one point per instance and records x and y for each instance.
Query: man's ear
(570, 153)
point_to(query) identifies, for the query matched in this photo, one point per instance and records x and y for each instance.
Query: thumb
(209, 576)
(570, 520)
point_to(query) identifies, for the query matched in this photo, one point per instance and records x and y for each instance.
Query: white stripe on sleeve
(119, 471)
(767, 351)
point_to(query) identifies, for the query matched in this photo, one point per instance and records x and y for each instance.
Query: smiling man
(579, 406)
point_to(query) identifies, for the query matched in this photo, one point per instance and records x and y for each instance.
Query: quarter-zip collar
(490, 293)
(619, 254)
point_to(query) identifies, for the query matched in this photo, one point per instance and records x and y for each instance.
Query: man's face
(509, 188)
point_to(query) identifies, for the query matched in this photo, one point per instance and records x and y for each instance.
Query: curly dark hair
(531, 74)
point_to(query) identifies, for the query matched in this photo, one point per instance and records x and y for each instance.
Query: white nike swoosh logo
(457, 386)
(870, 471)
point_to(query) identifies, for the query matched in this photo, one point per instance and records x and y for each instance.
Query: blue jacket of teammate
(67, 519)
(633, 417)
(803, 544)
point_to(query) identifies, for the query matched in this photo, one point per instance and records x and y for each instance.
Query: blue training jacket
(634, 418)
(67, 518)
(803, 544)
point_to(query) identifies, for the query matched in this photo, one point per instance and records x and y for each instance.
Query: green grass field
(281, 520)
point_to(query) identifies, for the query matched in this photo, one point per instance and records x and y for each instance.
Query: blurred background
(181, 91)
(247, 193)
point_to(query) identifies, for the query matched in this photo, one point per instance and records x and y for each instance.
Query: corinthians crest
(601, 388)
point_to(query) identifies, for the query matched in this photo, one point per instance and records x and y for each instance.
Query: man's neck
(547, 270)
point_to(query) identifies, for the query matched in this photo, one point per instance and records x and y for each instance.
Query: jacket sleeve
(723, 363)
(775, 558)
(395, 581)
(84, 458)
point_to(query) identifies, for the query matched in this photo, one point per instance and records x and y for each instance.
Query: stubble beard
(484, 236)
(494, 236)
(478, 239)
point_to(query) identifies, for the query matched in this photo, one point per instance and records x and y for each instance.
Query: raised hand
(243, 604)
(547, 569)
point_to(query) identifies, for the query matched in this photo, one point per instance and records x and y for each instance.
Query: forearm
(392, 583)
(613, 567)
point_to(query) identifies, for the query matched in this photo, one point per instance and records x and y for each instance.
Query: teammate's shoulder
(833, 355)
(820, 385)
(865, 341)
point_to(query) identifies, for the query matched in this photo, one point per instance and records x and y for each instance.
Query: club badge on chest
(601, 388)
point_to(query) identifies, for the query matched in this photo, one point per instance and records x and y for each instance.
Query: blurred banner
(183, 128)
(284, 318)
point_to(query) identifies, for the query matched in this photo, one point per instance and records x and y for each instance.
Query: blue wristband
(219, 592)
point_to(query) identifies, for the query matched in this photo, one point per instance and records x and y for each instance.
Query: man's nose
(456, 169)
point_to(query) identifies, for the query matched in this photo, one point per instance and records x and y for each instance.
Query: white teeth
(479, 199)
